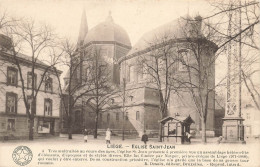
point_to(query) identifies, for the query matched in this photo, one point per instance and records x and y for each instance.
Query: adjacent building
(13, 119)
(251, 116)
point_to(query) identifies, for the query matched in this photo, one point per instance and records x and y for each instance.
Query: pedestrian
(144, 138)
(85, 133)
(188, 135)
(108, 136)
(219, 139)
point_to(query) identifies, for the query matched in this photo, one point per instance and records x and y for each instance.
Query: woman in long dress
(85, 133)
(108, 136)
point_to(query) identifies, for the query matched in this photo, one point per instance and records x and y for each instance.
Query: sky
(136, 17)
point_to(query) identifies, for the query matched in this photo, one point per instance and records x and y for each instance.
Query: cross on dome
(109, 18)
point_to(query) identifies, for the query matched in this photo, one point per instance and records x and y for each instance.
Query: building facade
(13, 119)
(175, 40)
(251, 116)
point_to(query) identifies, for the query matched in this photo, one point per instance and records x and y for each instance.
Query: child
(85, 133)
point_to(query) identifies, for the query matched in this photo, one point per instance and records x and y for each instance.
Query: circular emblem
(22, 155)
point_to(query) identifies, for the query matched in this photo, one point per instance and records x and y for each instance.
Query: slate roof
(176, 29)
(108, 31)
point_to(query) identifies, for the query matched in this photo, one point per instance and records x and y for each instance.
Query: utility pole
(233, 129)
(124, 84)
(240, 75)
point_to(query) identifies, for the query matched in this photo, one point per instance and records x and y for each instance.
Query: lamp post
(124, 87)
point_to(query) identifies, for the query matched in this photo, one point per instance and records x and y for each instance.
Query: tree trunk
(70, 133)
(96, 127)
(203, 130)
(31, 128)
(160, 132)
(70, 128)
(31, 117)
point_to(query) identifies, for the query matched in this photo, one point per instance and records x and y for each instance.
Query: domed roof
(108, 31)
(175, 29)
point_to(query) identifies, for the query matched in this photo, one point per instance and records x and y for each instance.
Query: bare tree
(6, 20)
(252, 89)
(27, 36)
(244, 17)
(102, 82)
(157, 67)
(77, 84)
(200, 68)
(249, 11)
(184, 63)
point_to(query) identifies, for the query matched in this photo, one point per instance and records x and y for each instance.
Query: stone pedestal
(233, 130)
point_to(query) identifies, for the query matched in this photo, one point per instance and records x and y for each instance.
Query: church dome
(108, 31)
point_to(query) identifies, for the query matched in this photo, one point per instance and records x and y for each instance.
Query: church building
(138, 110)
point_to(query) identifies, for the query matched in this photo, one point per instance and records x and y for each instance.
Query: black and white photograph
(130, 83)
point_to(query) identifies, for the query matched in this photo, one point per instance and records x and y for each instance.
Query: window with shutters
(47, 107)
(11, 103)
(29, 101)
(12, 76)
(29, 80)
(11, 124)
(48, 84)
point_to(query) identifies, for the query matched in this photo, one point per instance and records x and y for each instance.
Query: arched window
(137, 115)
(117, 116)
(182, 60)
(108, 118)
(126, 116)
(100, 116)
(131, 74)
(131, 98)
